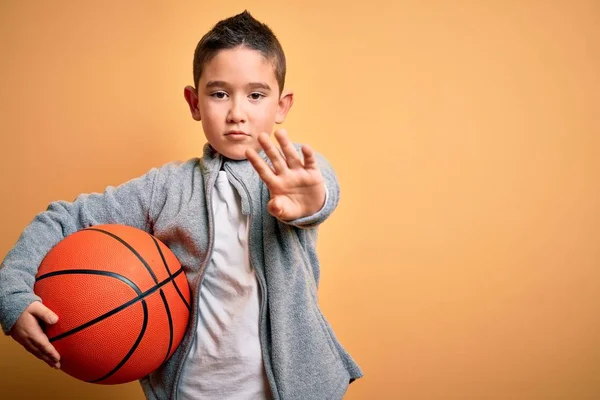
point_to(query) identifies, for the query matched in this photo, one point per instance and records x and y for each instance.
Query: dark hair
(240, 30)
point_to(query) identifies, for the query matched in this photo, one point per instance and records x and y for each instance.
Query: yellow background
(463, 261)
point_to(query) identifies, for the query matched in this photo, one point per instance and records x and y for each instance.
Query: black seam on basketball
(129, 247)
(141, 296)
(162, 295)
(132, 350)
(91, 272)
(161, 254)
(169, 271)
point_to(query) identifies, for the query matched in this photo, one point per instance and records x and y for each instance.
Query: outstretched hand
(297, 188)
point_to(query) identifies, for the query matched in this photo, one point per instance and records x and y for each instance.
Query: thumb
(274, 207)
(42, 312)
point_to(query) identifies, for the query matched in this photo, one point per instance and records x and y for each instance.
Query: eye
(256, 95)
(219, 95)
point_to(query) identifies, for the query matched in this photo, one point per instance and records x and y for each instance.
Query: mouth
(236, 133)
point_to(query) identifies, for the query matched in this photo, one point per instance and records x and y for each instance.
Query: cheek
(265, 114)
(212, 113)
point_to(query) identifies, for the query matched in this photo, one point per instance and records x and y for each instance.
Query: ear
(191, 96)
(286, 100)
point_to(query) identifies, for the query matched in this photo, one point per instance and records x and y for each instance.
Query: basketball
(122, 299)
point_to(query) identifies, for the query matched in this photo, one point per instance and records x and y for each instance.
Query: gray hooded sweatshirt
(303, 358)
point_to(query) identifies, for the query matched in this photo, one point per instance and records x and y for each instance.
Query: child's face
(238, 98)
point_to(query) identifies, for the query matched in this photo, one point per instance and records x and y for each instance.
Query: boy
(242, 220)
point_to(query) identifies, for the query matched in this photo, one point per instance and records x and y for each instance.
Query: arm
(128, 204)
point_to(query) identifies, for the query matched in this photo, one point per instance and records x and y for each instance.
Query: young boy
(242, 220)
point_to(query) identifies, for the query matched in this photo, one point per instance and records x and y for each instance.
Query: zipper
(211, 224)
(263, 302)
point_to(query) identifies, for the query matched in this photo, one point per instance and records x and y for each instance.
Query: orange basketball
(122, 299)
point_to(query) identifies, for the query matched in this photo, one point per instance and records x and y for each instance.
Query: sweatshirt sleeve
(127, 204)
(332, 196)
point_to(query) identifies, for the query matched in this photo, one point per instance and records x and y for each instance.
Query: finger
(38, 353)
(310, 160)
(264, 171)
(50, 351)
(273, 153)
(39, 339)
(42, 312)
(291, 155)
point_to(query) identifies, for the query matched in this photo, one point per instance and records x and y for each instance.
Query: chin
(238, 158)
(235, 155)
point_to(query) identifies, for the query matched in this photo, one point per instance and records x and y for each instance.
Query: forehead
(239, 65)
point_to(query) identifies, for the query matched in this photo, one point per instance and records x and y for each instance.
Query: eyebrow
(251, 85)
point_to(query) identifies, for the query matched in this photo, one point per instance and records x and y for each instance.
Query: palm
(297, 187)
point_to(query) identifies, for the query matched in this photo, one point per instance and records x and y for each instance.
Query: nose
(236, 113)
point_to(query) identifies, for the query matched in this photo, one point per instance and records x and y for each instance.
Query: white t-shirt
(225, 361)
